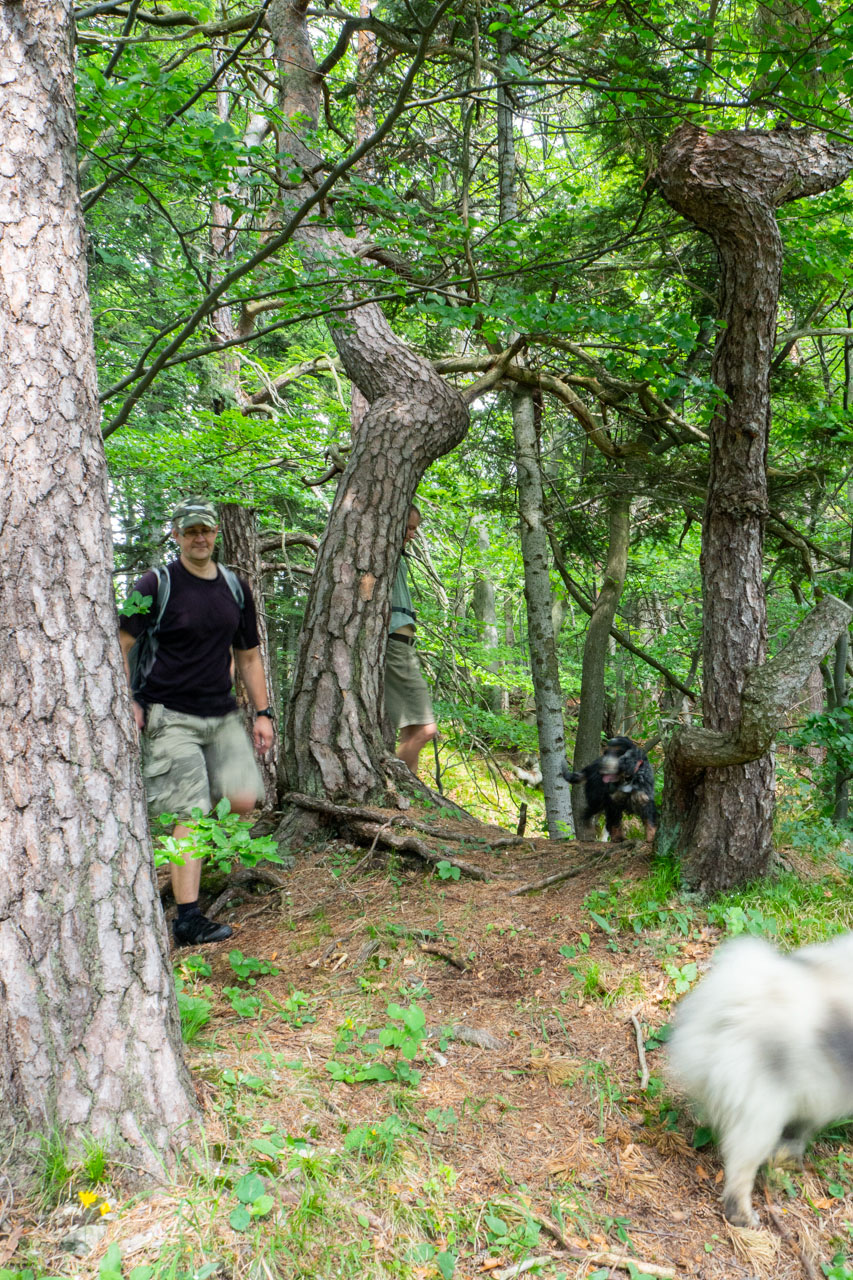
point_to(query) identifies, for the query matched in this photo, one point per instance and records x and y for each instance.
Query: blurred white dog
(764, 1045)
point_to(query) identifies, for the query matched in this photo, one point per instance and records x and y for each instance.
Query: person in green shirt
(407, 698)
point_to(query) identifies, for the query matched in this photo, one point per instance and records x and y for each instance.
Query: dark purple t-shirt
(192, 669)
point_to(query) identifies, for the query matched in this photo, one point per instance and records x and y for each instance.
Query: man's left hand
(263, 734)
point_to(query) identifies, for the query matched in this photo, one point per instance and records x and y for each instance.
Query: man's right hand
(139, 715)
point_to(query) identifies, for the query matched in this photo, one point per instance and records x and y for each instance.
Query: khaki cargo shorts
(191, 762)
(407, 698)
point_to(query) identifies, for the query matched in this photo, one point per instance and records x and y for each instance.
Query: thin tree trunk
(591, 715)
(483, 604)
(841, 805)
(730, 184)
(540, 631)
(241, 550)
(89, 1034)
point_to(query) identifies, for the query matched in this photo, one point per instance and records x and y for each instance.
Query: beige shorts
(191, 762)
(407, 699)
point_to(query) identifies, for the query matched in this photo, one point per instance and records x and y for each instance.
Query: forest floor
(515, 1139)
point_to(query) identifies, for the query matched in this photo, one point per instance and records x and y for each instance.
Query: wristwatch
(267, 711)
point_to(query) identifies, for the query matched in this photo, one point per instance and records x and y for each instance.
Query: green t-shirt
(402, 608)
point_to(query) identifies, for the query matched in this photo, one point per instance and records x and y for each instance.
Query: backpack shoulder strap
(235, 586)
(164, 588)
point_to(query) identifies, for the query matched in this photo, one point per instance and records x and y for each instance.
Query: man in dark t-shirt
(194, 747)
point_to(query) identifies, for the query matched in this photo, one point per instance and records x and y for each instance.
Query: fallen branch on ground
(430, 949)
(603, 1258)
(560, 876)
(641, 1052)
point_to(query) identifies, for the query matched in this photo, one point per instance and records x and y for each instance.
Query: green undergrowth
(342, 1157)
(484, 786)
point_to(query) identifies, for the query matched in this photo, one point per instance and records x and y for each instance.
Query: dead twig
(430, 949)
(559, 877)
(619, 1261)
(791, 1240)
(641, 1052)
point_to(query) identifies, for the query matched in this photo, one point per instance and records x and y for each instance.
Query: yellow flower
(106, 1207)
(87, 1198)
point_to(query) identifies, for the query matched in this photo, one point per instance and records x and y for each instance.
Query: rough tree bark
(591, 714)
(333, 740)
(730, 184)
(89, 1034)
(540, 630)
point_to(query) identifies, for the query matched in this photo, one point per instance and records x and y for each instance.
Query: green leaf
(446, 1263)
(110, 1263)
(249, 1188)
(414, 1018)
(240, 1219)
(262, 1206)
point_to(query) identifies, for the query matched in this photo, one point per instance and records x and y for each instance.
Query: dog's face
(619, 765)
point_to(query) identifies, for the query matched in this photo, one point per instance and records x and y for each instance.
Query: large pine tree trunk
(540, 630)
(333, 739)
(730, 184)
(89, 1034)
(596, 644)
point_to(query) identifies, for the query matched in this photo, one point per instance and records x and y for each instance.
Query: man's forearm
(251, 668)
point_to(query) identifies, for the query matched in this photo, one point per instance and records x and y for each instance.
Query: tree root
(244, 876)
(408, 844)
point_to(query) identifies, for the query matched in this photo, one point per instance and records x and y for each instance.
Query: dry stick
(408, 844)
(432, 950)
(790, 1239)
(522, 820)
(641, 1052)
(620, 1261)
(559, 877)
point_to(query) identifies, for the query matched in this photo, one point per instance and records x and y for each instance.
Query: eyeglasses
(197, 532)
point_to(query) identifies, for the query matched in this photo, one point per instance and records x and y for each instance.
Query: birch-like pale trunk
(588, 741)
(535, 552)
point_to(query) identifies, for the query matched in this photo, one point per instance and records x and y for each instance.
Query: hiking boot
(195, 930)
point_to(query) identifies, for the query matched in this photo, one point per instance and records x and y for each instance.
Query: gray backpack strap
(235, 586)
(142, 655)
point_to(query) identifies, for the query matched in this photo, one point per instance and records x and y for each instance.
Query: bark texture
(89, 1034)
(730, 184)
(591, 715)
(333, 739)
(540, 631)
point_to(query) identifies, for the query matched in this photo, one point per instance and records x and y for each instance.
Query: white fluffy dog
(764, 1045)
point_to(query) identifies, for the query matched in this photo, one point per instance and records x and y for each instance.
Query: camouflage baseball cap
(195, 511)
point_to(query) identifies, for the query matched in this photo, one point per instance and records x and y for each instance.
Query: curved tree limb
(768, 693)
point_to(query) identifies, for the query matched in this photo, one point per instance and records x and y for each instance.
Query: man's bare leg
(411, 741)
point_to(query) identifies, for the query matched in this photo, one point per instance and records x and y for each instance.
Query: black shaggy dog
(620, 781)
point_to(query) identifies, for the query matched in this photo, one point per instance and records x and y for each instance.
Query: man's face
(411, 527)
(196, 542)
